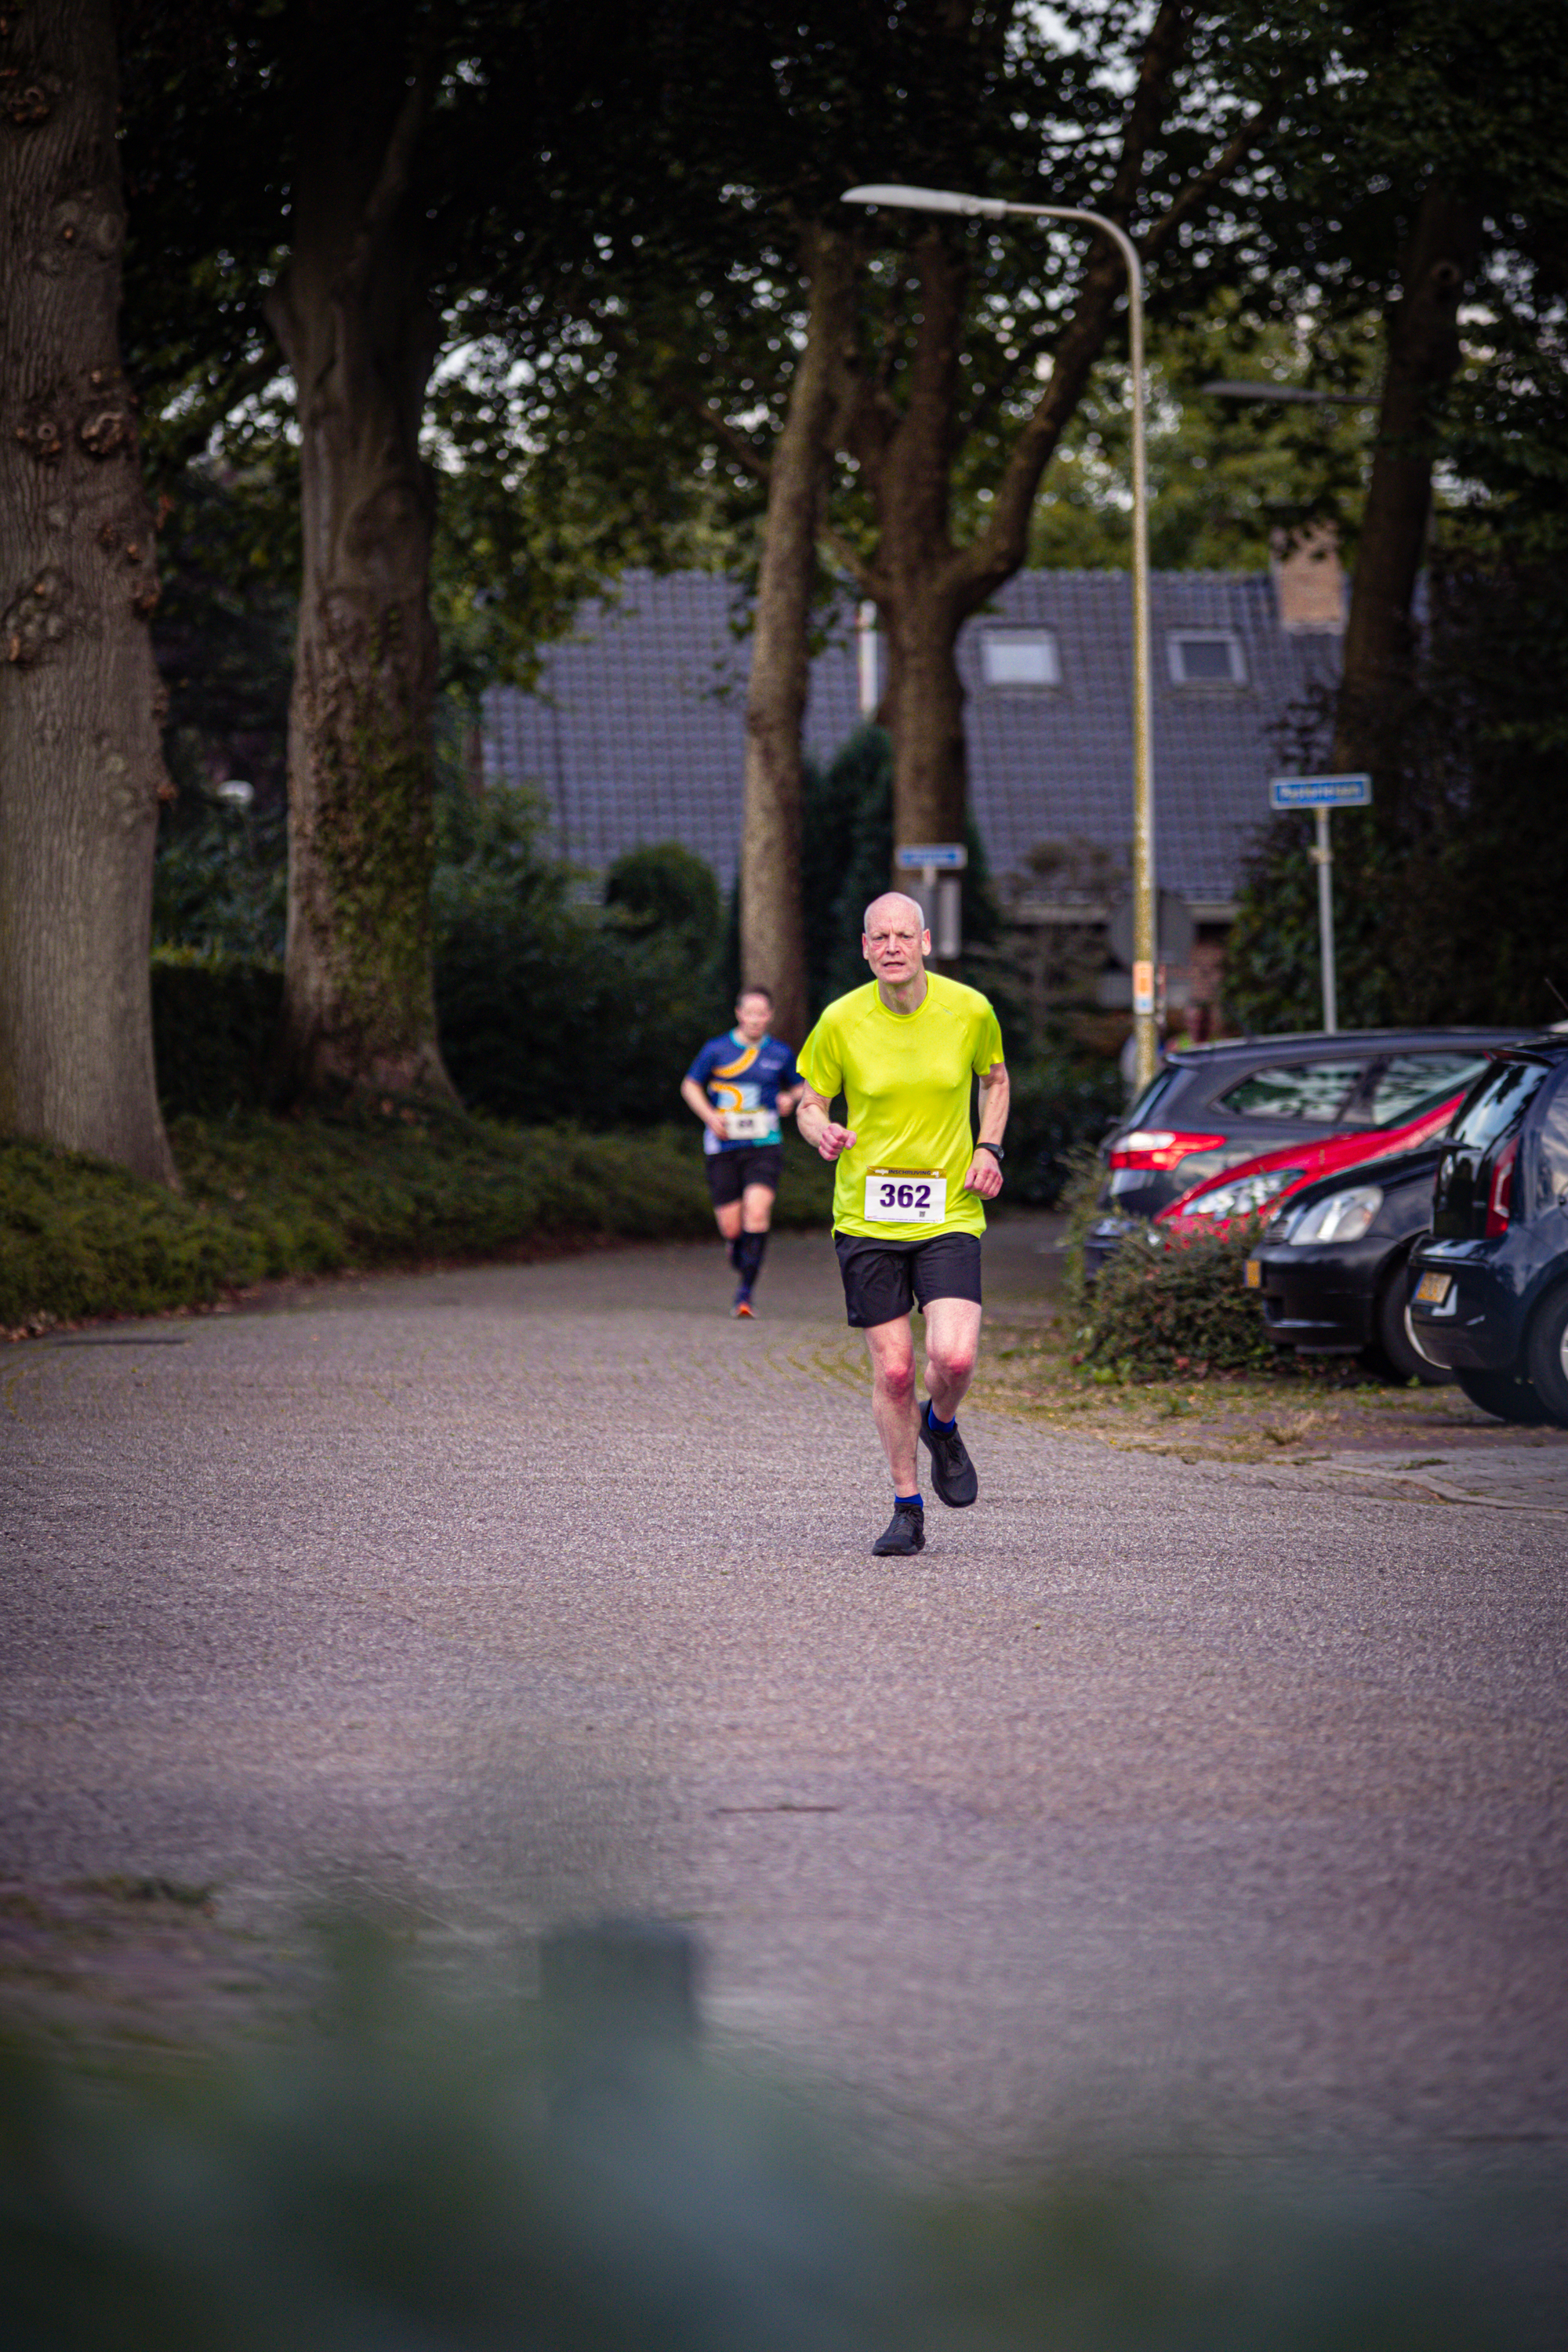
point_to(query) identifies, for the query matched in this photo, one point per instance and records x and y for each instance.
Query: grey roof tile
(638, 731)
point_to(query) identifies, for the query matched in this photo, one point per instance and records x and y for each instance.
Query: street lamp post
(1144, 898)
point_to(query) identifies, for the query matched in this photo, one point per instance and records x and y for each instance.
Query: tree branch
(177, 450)
(728, 435)
(1197, 194)
(392, 179)
(1161, 56)
(863, 575)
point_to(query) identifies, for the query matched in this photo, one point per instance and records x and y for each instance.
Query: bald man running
(908, 1188)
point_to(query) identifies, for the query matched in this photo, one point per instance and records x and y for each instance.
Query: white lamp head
(928, 200)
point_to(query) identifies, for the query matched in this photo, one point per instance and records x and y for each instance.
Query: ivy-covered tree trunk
(773, 934)
(353, 316)
(1423, 331)
(81, 764)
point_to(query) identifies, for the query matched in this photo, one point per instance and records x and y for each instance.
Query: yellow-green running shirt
(905, 1078)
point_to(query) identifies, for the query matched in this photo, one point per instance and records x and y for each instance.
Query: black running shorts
(882, 1280)
(730, 1173)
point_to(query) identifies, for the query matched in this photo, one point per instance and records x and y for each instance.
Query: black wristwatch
(995, 1150)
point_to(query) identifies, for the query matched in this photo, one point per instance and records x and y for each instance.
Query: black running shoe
(951, 1471)
(905, 1532)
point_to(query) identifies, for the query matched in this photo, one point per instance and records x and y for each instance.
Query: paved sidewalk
(1152, 1801)
(1504, 1477)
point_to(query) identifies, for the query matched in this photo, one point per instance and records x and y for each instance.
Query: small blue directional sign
(951, 856)
(1319, 792)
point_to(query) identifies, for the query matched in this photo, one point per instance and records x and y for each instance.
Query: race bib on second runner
(752, 1126)
(906, 1196)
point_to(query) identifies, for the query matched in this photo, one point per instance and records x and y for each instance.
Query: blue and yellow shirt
(745, 1078)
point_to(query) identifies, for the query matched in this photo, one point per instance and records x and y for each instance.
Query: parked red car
(1257, 1186)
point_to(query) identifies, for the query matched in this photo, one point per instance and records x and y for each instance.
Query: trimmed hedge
(264, 1198)
(1179, 1309)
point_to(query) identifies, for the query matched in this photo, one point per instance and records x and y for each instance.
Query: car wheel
(1395, 1344)
(1502, 1394)
(1547, 1356)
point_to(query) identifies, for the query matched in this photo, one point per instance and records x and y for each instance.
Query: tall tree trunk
(354, 319)
(81, 770)
(773, 934)
(1423, 356)
(925, 695)
(924, 585)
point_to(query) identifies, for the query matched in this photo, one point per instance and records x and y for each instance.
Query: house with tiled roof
(636, 732)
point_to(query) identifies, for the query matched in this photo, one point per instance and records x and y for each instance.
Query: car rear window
(1158, 1087)
(1496, 1103)
(1315, 1090)
(1554, 1147)
(1413, 1083)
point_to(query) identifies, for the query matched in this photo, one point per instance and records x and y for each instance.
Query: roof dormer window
(1205, 658)
(1020, 657)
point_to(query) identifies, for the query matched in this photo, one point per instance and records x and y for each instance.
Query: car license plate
(906, 1196)
(1432, 1288)
(1253, 1276)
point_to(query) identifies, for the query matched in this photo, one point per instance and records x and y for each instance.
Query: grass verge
(387, 1186)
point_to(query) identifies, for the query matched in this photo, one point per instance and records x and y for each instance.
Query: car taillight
(1500, 1191)
(1159, 1146)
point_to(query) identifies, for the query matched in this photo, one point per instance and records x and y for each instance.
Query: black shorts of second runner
(882, 1280)
(730, 1173)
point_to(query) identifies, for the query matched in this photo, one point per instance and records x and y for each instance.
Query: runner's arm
(818, 1126)
(984, 1175)
(692, 1094)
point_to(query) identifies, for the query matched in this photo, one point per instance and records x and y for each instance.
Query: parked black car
(1214, 1106)
(1489, 1288)
(1332, 1267)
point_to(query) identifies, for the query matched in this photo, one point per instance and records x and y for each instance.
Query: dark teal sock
(748, 1257)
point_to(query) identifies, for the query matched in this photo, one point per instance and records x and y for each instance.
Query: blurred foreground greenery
(379, 1185)
(420, 2168)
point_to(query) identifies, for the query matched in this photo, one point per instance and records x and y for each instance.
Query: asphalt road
(1154, 1802)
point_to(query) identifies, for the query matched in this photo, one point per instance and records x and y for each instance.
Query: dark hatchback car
(1333, 1267)
(1214, 1106)
(1490, 1287)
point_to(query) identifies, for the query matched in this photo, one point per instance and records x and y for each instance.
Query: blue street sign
(951, 854)
(1319, 792)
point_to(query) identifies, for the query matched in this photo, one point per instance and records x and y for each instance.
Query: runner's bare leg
(893, 1399)
(953, 1342)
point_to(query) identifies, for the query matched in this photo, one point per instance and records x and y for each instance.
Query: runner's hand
(984, 1176)
(835, 1140)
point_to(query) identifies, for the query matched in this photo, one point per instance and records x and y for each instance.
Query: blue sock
(908, 1503)
(945, 1428)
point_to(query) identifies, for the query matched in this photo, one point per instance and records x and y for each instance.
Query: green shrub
(220, 881)
(213, 1026)
(667, 887)
(1083, 1180)
(267, 1197)
(1158, 1312)
(549, 1009)
(80, 1237)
